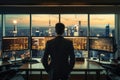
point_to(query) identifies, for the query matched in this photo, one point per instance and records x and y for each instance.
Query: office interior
(92, 26)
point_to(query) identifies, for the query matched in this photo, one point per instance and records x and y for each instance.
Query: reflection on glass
(102, 25)
(17, 25)
(44, 24)
(76, 24)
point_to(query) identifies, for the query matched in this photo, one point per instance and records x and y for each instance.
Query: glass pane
(76, 24)
(15, 48)
(102, 25)
(17, 25)
(44, 24)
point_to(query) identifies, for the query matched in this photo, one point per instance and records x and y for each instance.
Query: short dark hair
(59, 28)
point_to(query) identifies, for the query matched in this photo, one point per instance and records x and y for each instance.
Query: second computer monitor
(79, 43)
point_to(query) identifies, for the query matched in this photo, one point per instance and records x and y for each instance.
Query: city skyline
(43, 20)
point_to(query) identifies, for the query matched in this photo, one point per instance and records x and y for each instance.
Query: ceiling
(59, 2)
(59, 6)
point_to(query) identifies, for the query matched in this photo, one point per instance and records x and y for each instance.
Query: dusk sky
(38, 20)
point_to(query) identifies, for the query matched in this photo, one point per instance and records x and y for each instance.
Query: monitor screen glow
(79, 43)
(102, 44)
(15, 43)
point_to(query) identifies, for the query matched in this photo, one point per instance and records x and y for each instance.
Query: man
(61, 53)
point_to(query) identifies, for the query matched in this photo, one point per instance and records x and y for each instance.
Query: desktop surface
(4, 63)
(105, 62)
(86, 65)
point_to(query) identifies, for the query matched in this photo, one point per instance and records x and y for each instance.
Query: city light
(14, 22)
(98, 35)
(111, 35)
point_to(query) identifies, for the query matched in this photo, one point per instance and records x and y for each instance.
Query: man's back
(59, 50)
(61, 54)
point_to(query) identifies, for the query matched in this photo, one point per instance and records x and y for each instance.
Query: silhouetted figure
(61, 54)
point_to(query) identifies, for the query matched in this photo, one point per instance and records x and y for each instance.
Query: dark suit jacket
(62, 58)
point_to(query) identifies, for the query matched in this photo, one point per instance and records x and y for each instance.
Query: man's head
(59, 28)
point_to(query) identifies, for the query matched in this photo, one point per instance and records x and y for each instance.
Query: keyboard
(30, 61)
(33, 61)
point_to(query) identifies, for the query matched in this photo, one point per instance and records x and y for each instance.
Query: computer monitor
(14, 43)
(105, 44)
(79, 43)
(38, 43)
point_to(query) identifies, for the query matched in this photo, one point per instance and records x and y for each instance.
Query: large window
(76, 24)
(39, 28)
(17, 25)
(44, 24)
(15, 28)
(102, 25)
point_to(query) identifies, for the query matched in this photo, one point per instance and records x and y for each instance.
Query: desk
(79, 66)
(111, 63)
(111, 67)
(4, 63)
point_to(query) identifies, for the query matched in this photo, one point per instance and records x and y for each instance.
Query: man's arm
(45, 58)
(72, 56)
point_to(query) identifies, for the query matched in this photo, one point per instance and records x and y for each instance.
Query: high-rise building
(15, 30)
(113, 32)
(107, 30)
(37, 32)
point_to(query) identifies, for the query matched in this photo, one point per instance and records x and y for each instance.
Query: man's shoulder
(67, 40)
(52, 40)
